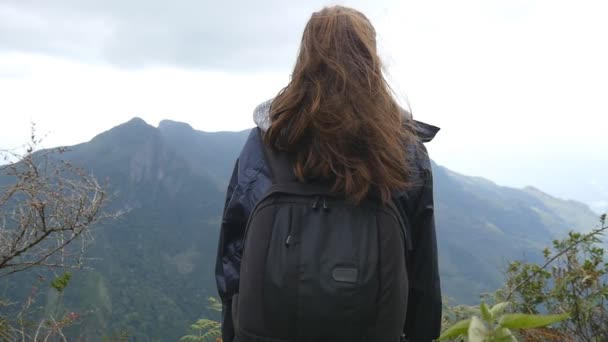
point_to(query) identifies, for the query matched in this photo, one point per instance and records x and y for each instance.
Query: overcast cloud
(519, 87)
(232, 35)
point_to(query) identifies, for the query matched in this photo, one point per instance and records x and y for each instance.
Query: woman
(340, 126)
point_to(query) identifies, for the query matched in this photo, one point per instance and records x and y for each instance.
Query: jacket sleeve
(229, 252)
(423, 320)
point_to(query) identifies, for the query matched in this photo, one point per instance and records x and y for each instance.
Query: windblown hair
(337, 117)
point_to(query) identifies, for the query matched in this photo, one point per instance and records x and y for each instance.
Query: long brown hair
(337, 116)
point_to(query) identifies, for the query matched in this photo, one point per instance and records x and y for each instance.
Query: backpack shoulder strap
(404, 221)
(278, 163)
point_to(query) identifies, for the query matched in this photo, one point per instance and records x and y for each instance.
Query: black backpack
(317, 268)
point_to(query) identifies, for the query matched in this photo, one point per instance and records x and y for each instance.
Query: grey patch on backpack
(345, 274)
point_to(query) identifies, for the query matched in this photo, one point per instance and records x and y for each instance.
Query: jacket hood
(424, 131)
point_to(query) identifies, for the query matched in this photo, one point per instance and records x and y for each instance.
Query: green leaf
(214, 304)
(524, 321)
(504, 335)
(459, 328)
(61, 282)
(485, 312)
(499, 308)
(212, 335)
(477, 330)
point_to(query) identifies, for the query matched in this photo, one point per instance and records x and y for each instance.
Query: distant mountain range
(156, 263)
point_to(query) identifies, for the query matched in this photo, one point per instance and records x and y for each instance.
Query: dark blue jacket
(251, 179)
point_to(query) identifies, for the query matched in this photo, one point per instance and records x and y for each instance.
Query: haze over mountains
(156, 263)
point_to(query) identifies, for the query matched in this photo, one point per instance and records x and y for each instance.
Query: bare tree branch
(46, 205)
(585, 237)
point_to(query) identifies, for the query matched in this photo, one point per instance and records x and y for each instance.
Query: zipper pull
(288, 240)
(325, 207)
(315, 204)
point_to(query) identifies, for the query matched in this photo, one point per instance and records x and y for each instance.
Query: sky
(518, 87)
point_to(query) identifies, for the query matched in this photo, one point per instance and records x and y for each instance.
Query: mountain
(210, 154)
(482, 226)
(154, 266)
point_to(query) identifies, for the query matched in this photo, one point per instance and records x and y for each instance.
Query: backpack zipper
(315, 203)
(289, 238)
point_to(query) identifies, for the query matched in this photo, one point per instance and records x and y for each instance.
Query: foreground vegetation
(569, 289)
